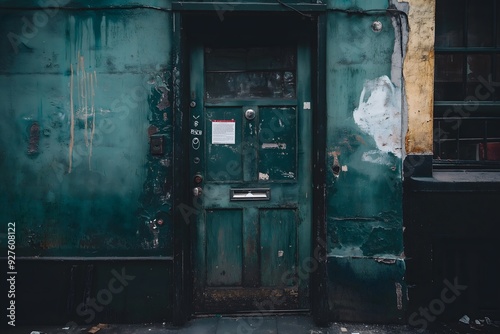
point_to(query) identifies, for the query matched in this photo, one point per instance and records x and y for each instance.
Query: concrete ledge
(446, 181)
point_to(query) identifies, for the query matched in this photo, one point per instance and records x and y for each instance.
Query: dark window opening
(251, 72)
(467, 83)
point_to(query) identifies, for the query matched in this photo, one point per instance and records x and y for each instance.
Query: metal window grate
(467, 82)
(458, 138)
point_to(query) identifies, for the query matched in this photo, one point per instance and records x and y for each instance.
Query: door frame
(182, 277)
(250, 293)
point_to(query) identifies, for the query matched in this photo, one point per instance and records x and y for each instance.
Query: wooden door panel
(223, 155)
(250, 235)
(224, 242)
(278, 247)
(277, 132)
(251, 248)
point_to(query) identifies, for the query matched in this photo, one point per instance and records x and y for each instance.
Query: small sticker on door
(224, 132)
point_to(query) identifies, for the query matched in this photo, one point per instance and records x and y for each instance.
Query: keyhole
(336, 170)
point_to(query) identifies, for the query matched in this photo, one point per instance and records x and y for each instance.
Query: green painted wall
(364, 149)
(87, 186)
(91, 187)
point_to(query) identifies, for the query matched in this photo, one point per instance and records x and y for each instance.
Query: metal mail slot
(250, 194)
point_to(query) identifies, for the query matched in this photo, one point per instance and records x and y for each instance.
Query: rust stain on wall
(418, 72)
(34, 139)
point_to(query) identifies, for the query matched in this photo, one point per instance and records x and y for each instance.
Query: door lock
(249, 114)
(197, 191)
(198, 179)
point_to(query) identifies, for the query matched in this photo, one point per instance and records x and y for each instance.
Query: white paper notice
(223, 132)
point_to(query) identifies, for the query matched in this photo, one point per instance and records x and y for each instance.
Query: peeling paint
(72, 122)
(86, 87)
(335, 165)
(399, 295)
(418, 71)
(85, 111)
(166, 162)
(379, 114)
(281, 146)
(385, 260)
(376, 157)
(153, 241)
(290, 175)
(34, 139)
(161, 87)
(263, 176)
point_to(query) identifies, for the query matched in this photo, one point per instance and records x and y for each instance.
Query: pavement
(290, 324)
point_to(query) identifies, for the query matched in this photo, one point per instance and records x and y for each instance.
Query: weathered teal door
(250, 135)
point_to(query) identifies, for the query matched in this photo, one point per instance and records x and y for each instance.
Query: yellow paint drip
(72, 123)
(93, 82)
(86, 107)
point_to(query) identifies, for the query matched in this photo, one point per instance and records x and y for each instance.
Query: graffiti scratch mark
(72, 122)
(93, 83)
(82, 87)
(86, 111)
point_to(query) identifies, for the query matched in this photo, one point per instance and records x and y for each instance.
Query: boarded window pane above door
(253, 72)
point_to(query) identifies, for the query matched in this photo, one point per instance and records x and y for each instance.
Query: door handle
(197, 191)
(249, 114)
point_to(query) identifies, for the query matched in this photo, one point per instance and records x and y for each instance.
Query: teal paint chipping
(367, 183)
(86, 156)
(277, 144)
(224, 247)
(93, 85)
(224, 160)
(367, 288)
(364, 159)
(278, 242)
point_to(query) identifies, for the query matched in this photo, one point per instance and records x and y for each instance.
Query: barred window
(467, 83)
